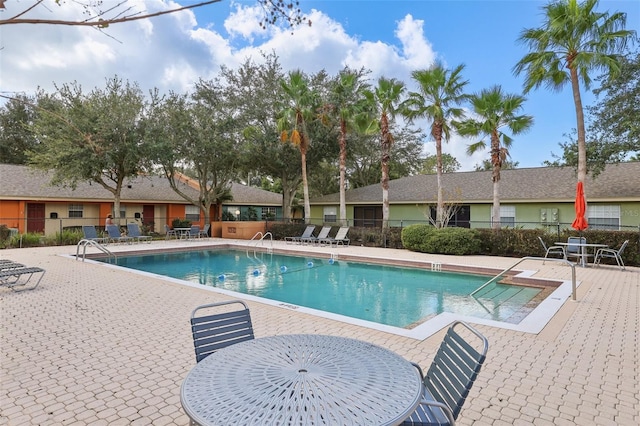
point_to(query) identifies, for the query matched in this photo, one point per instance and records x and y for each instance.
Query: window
(508, 216)
(268, 213)
(76, 210)
(604, 217)
(330, 214)
(192, 213)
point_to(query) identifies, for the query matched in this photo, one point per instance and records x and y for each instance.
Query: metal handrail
(566, 262)
(84, 243)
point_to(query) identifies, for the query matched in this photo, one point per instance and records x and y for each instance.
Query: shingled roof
(23, 183)
(619, 182)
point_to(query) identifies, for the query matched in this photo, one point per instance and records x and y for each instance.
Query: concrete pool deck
(103, 346)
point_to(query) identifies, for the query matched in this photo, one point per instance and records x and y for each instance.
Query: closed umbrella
(580, 222)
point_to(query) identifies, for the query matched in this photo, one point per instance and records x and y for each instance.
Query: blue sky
(391, 38)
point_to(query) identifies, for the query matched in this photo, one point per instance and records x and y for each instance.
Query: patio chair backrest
(113, 231)
(342, 233)
(194, 231)
(308, 232)
(133, 230)
(455, 368)
(218, 330)
(622, 247)
(572, 241)
(89, 232)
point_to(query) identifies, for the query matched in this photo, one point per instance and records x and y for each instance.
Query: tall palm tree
(495, 110)
(440, 92)
(386, 99)
(292, 123)
(573, 41)
(349, 107)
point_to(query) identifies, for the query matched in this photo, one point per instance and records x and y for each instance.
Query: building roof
(620, 182)
(23, 183)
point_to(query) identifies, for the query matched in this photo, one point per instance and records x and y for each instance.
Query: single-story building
(529, 198)
(29, 203)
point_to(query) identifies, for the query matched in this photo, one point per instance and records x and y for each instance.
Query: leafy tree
(386, 98)
(495, 110)
(95, 137)
(449, 164)
(16, 137)
(615, 127)
(441, 91)
(486, 165)
(99, 17)
(573, 41)
(195, 135)
(292, 122)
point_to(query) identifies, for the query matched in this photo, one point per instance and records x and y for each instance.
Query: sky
(391, 38)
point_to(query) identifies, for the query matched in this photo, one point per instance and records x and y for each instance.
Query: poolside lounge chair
(133, 231)
(339, 239)
(308, 232)
(114, 235)
(170, 232)
(223, 328)
(90, 233)
(18, 278)
(551, 250)
(450, 377)
(10, 265)
(612, 254)
(324, 233)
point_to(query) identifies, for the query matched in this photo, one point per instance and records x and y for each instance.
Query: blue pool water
(383, 294)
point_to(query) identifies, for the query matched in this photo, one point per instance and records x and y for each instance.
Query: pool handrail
(565, 261)
(87, 242)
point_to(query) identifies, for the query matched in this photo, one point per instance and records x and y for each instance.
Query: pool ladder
(261, 241)
(566, 262)
(84, 243)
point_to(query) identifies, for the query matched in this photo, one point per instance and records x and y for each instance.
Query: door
(367, 216)
(148, 216)
(35, 218)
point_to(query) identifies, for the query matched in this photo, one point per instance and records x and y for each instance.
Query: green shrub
(181, 223)
(29, 239)
(66, 238)
(427, 239)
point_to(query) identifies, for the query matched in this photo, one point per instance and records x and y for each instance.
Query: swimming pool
(390, 295)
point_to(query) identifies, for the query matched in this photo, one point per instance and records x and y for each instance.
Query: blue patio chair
(133, 231)
(450, 377)
(224, 327)
(194, 232)
(113, 231)
(90, 233)
(575, 250)
(612, 254)
(204, 233)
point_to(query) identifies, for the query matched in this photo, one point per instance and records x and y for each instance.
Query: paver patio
(102, 346)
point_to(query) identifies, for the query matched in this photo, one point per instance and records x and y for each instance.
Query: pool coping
(533, 323)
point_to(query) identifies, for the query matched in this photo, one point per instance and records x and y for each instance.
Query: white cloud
(174, 51)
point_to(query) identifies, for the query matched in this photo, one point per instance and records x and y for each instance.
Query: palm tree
(292, 120)
(440, 93)
(386, 99)
(495, 110)
(353, 114)
(573, 41)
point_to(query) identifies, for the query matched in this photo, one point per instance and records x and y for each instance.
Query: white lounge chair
(339, 239)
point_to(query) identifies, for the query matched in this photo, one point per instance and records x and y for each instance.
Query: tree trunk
(495, 210)
(305, 187)
(384, 162)
(440, 205)
(582, 146)
(343, 172)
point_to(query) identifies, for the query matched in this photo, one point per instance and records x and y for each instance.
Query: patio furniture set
(307, 237)
(577, 247)
(311, 379)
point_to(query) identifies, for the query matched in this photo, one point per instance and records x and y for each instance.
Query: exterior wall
(11, 213)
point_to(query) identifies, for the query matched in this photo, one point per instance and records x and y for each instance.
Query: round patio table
(301, 379)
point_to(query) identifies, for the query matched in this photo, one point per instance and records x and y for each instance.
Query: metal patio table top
(301, 379)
